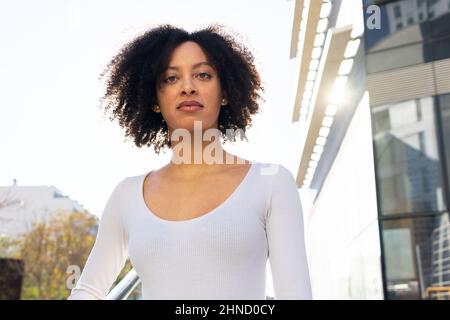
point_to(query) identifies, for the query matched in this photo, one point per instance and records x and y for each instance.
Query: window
(401, 14)
(397, 12)
(446, 277)
(409, 170)
(444, 104)
(418, 110)
(409, 257)
(381, 120)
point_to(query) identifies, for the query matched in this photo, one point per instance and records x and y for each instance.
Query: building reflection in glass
(409, 173)
(412, 32)
(417, 257)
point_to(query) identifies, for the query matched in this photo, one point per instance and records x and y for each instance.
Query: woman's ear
(224, 100)
(155, 105)
(156, 108)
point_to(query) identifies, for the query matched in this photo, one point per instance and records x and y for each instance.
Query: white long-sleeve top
(219, 255)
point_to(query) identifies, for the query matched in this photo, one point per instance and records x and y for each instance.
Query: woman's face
(189, 77)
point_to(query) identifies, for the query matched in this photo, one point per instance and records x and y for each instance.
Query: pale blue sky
(52, 52)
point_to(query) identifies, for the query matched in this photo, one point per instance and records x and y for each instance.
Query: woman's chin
(194, 126)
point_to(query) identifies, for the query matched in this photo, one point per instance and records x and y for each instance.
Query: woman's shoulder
(131, 181)
(273, 170)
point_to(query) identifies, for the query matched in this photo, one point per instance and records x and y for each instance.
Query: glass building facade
(408, 69)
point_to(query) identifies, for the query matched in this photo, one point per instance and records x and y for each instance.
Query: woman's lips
(190, 108)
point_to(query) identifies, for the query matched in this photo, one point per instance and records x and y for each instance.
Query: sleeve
(286, 240)
(108, 255)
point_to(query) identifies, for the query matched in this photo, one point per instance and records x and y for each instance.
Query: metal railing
(129, 284)
(125, 287)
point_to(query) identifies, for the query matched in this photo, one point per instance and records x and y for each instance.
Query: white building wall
(21, 206)
(342, 228)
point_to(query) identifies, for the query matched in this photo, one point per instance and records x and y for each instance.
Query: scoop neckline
(210, 213)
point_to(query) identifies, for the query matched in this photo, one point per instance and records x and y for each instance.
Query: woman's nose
(188, 87)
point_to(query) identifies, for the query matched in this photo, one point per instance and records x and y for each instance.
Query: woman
(204, 225)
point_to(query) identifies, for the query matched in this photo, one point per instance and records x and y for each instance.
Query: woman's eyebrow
(193, 66)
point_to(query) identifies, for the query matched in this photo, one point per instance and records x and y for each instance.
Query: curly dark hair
(132, 78)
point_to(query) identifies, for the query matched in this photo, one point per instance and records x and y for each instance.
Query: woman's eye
(204, 75)
(168, 79)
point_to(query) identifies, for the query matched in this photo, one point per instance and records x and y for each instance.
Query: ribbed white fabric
(219, 255)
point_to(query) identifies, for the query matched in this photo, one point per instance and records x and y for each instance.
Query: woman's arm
(286, 240)
(108, 255)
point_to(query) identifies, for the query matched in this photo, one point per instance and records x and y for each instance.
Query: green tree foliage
(49, 249)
